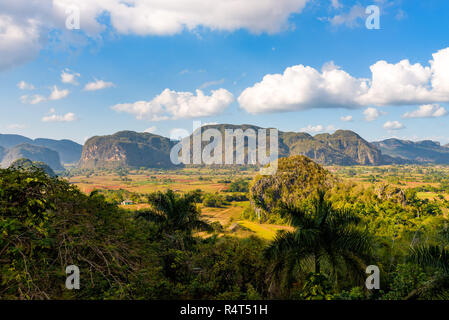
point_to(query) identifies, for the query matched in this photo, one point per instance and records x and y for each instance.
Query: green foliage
(325, 240)
(235, 197)
(197, 195)
(213, 200)
(118, 196)
(173, 212)
(46, 224)
(316, 287)
(296, 180)
(239, 185)
(26, 164)
(355, 293)
(406, 278)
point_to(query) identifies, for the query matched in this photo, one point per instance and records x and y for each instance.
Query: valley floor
(426, 179)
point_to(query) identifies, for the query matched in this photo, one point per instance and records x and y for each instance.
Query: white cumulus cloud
(393, 125)
(174, 105)
(427, 111)
(33, 99)
(70, 77)
(372, 114)
(151, 129)
(336, 4)
(19, 39)
(68, 117)
(302, 87)
(57, 94)
(346, 118)
(351, 18)
(172, 16)
(22, 85)
(98, 85)
(24, 24)
(318, 128)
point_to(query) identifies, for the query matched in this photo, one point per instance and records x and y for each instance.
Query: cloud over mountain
(174, 105)
(68, 117)
(427, 111)
(393, 125)
(303, 87)
(372, 114)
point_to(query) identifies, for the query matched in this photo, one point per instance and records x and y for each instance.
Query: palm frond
(152, 216)
(436, 288)
(434, 256)
(201, 225)
(283, 243)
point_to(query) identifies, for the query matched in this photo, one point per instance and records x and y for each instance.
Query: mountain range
(418, 152)
(33, 153)
(52, 152)
(344, 147)
(135, 150)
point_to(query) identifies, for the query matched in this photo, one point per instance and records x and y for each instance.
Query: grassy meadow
(143, 182)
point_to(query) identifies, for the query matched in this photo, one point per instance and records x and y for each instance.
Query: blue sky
(138, 62)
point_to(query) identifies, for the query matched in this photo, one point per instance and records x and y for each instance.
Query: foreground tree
(176, 218)
(173, 212)
(325, 241)
(47, 224)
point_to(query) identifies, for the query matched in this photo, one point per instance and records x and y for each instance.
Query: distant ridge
(419, 152)
(33, 153)
(12, 140)
(133, 149)
(69, 151)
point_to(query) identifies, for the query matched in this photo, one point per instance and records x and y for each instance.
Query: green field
(183, 180)
(422, 178)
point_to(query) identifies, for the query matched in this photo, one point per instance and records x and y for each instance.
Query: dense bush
(47, 224)
(213, 200)
(239, 185)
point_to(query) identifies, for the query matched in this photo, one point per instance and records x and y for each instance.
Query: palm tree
(173, 212)
(325, 240)
(176, 217)
(436, 257)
